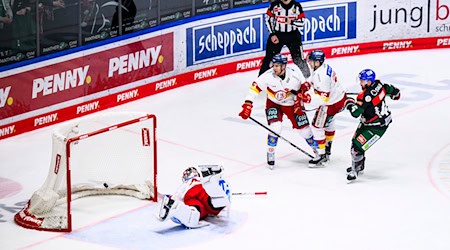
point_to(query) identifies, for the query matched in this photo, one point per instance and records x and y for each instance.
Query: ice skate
(359, 168)
(354, 172)
(360, 172)
(328, 150)
(271, 159)
(318, 161)
(351, 175)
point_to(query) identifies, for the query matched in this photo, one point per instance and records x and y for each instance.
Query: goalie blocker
(203, 193)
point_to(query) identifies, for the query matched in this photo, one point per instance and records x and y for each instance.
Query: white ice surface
(401, 202)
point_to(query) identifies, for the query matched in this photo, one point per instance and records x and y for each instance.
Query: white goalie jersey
(204, 192)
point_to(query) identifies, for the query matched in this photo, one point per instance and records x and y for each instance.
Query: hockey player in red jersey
(285, 87)
(375, 117)
(330, 102)
(203, 193)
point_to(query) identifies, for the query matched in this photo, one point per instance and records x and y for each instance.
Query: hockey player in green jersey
(374, 114)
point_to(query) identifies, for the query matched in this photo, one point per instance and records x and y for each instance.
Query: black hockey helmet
(280, 59)
(317, 55)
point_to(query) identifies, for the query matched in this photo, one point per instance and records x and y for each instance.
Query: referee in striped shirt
(283, 20)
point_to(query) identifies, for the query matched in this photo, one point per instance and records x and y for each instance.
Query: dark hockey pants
(293, 41)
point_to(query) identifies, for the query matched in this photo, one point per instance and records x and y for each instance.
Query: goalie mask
(190, 173)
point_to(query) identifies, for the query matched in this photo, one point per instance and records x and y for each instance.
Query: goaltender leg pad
(187, 216)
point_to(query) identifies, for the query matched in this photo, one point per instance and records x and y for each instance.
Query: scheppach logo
(329, 22)
(231, 37)
(433, 15)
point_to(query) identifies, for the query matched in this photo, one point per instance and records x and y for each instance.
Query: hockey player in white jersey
(280, 82)
(330, 102)
(203, 193)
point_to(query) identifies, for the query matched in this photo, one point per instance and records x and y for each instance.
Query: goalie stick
(160, 196)
(286, 140)
(249, 193)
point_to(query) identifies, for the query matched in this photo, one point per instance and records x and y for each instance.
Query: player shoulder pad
(360, 96)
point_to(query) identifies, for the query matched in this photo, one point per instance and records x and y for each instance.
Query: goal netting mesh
(103, 154)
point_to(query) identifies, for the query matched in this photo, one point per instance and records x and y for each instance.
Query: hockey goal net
(106, 154)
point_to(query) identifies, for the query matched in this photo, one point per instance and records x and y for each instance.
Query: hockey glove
(349, 102)
(305, 87)
(246, 110)
(306, 98)
(395, 95)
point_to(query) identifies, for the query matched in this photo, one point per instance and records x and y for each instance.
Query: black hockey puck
(105, 185)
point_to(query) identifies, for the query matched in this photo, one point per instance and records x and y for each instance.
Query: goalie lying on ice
(203, 192)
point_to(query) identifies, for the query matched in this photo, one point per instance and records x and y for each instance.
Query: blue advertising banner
(329, 22)
(232, 37)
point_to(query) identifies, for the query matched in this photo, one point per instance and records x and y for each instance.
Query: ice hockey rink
(401, 202)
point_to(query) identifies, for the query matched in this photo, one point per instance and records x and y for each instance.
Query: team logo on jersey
(368, 98)
(361, 139)
(280, 95)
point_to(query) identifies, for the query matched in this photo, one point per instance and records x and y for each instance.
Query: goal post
(102, 154)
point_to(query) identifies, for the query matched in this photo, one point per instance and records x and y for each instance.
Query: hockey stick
(292, 144)
(250, 193)
(348, 93)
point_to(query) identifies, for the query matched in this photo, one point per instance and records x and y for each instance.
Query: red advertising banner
(85, 75)
(176, 81)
